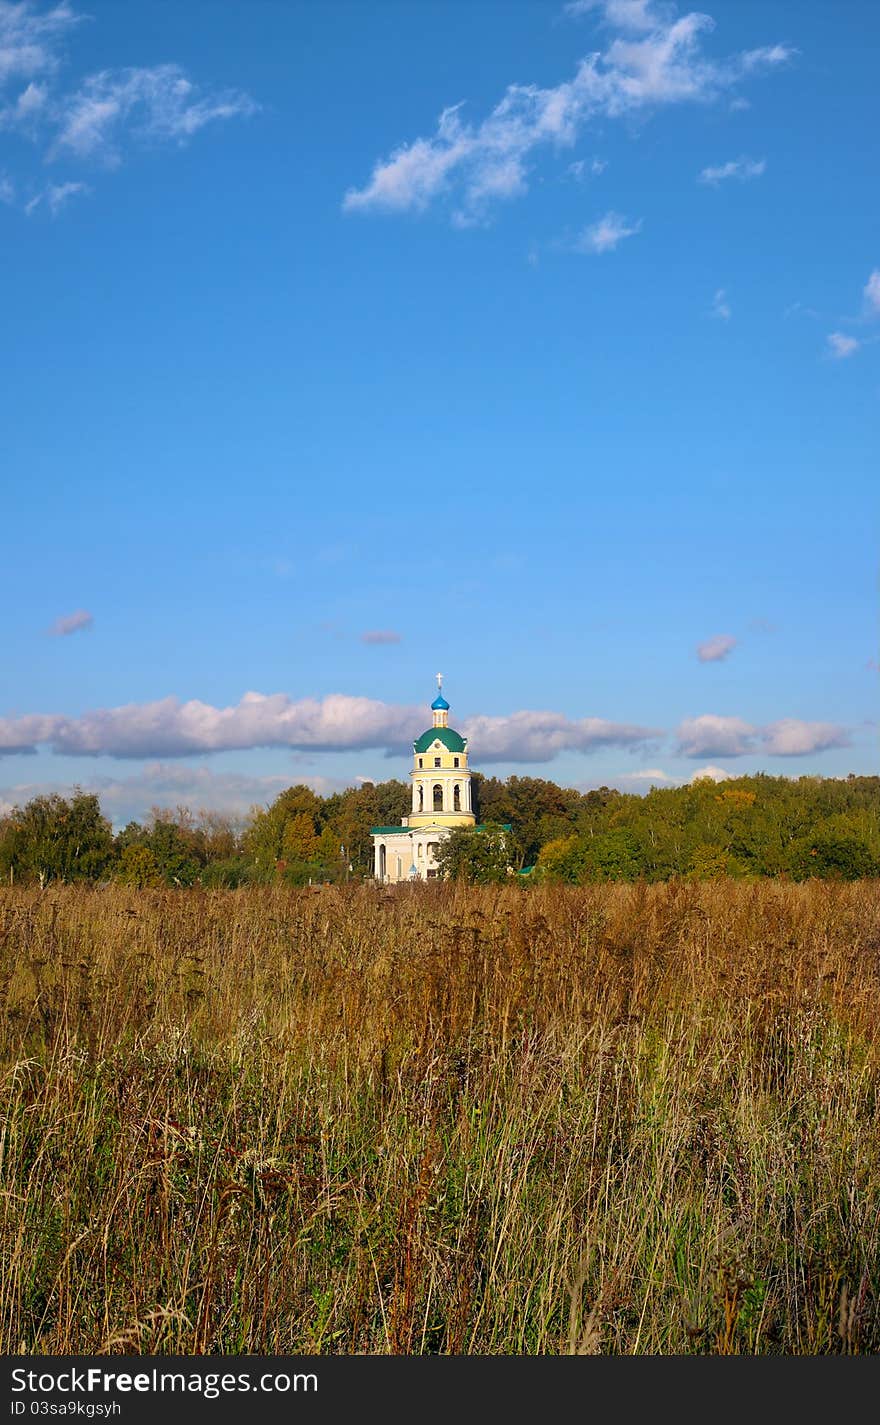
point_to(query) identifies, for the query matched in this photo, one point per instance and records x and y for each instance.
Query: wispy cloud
(582, 167)
(720, 306)
(145, 105)
(713, 650)
(712, 736)
(656, 60)
(799, 309)
(30, 38)
(756, 61)
(380, 635)
(841, 346)
(55, 196)
(100, 116)
(606, 234)
(77, 622)
(740, 168)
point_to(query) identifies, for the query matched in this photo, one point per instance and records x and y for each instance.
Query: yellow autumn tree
(299, 842)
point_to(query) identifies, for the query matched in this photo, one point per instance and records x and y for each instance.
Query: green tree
(53, 839)
(562, 860)
(707, 863)
(263, 839)
(835, 857)
(329, 844)
(227, 873)
(480, 856)
(137, 867)
(614, 855)
(177, 858)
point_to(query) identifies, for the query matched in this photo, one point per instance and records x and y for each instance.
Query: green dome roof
(452, 741)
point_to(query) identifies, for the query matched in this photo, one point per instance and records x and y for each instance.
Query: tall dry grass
(613, 1119)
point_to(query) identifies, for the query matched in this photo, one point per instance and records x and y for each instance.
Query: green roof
(452, 741)
(386, 830)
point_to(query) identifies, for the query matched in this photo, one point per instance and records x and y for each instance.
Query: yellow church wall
(442, 818)
(447, 762)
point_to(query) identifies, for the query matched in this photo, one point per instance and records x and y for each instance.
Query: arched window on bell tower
(438, 797)
(421, 798)
(456, 798)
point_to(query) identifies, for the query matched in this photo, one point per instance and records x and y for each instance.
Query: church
(441, 800)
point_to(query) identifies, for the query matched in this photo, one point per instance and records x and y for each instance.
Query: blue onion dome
(440, 704)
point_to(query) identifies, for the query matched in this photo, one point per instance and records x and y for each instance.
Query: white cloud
(792, 738)
(872, 292)
(740, 168)
(638, 15)
(169, 728)
(715, 774)
(720, 306)
(657, 60)
(841, 346)
(76, 622)
(380, 635)
(713, 650)
(540, 736)
(7, 189)
(710, 735)
(651, 777)
(151, 105)
(605, 235)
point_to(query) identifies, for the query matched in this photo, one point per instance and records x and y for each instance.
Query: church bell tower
(441, 780)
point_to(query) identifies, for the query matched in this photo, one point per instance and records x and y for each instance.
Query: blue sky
(344, 343)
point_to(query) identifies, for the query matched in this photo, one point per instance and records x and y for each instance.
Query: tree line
(748, 826)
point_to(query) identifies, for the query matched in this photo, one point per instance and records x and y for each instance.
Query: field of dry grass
(612, 1119)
